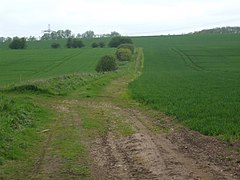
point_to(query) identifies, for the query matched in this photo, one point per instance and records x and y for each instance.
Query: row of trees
(9, 39)
(221, 30)
(77, 43)
(63, 34)
(20, 43)
(55, 35)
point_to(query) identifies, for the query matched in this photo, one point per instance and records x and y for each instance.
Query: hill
(220, 30)
(86, 125)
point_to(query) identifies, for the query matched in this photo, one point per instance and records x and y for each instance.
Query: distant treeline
(63, 34)
(220, 30)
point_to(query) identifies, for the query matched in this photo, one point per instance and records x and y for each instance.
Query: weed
(18, 117)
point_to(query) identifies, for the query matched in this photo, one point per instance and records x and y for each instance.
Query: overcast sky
(128, 17)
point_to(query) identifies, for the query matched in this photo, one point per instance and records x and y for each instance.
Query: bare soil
(179, 154)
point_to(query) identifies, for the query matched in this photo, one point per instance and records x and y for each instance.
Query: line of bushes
(124, 52)
(74, 43)
(96, 45)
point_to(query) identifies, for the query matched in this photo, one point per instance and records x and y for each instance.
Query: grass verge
(20, 121)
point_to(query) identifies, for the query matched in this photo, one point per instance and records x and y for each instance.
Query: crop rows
(195, 78)
(21, 65)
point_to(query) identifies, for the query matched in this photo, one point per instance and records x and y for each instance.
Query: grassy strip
(20, 121)
(61, 85)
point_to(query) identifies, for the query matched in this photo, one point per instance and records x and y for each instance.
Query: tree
(88, 34)
(46, 36)
(60, 34)
(69, 42)
(18, 43)
(95, 45)
(114, 34)
(2, 39)
(74, 43)
(106, 63)
(79, 35)
(123, 54)
(55, 45)
(101, 44)
(54, 35)
(77, 43)
(68, 33)
(32, 38)
(127, 46)
(116, 41)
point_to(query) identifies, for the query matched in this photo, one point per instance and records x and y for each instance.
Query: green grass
(98, 120)
(70, 148)
(195, 78)
(20, 117)
(62, 85)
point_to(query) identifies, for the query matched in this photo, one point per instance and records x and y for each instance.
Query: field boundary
(139, 64)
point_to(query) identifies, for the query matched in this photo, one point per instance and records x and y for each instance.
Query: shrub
(77, 43)
(55, 45)
(95, 45)
(69, 42)
(123, 54)
(18, 43)
(101, 44)
(74, 43)
(127, 46)
(106, 63)
(116, 41)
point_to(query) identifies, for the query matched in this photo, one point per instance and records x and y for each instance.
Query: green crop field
(40, 61)
(195, 78)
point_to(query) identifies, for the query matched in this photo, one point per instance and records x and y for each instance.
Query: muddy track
(177, 154)
(147, 155)
(39, 163)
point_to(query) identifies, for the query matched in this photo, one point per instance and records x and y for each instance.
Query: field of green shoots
(195, 78)
(39, 61)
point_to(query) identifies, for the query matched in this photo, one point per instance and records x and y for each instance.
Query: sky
(128, 17)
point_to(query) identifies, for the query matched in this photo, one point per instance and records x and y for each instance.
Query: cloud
(27, 17)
